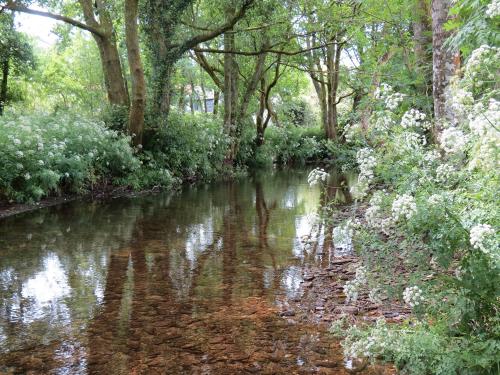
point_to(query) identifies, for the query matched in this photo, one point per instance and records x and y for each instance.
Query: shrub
(192, 146)
(438, 216)
(44, 154)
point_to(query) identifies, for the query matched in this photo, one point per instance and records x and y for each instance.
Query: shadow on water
(184, 283)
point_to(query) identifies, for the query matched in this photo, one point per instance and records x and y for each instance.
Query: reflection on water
(185, 283)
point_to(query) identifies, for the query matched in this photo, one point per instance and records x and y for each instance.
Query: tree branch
(21, 8)
(203, 37)
(265, 51)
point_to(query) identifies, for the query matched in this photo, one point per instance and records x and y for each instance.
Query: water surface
(182, 283)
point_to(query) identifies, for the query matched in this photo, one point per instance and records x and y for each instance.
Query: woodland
(143, 95)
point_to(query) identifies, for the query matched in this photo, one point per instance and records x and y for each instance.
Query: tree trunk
(112, 71)
(422, 32)
(3, 88)
(333, 65)
(216, 101)
(442, 60)
(106, 42)
(259, 121)
(230, 95)
(138, 105)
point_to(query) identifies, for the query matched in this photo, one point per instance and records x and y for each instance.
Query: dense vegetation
(151, 93)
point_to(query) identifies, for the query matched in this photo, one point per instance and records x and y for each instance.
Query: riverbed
(191, 282)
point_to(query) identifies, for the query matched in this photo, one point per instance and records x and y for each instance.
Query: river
(191, 282)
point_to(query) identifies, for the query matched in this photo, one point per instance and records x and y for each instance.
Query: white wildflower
(413, 296)
(493, 9)
(413, 118)
(404, 206)
(482, 237)
(316, 176)
(445, 173)
(453, 140)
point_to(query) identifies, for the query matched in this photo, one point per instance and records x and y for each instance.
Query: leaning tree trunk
(106, 42)
(138, 105)
(443, 60)
(3, 88)
(112, 70)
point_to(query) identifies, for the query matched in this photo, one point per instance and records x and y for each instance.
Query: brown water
(186, 283)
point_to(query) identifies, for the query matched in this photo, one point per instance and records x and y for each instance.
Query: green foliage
(68, 77)
(192, 146)
(115, 117)
(42, 155)
(433, 229)
(293, 145)
(471, 26)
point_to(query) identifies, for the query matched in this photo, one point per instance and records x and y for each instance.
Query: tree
(138, 103)
(444, 59)
(162, 25)
(15, 53)
(325, 36)
(99, 22)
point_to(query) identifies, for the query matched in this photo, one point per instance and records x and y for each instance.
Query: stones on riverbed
(308, 277)
(340, 261)
(327, 364)
(287, 313)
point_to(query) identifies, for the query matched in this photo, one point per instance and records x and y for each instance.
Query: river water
(184, 283)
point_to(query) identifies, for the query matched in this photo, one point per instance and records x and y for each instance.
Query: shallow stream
(184, 283)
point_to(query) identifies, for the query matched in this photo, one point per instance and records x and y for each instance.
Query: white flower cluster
(411, 141)
(317, 176)
(481, 64)
(382, 91)
(351, 288)
(374, 216)
(351, 131)
(445, 174)
(453, 140)
(460, 101)
(430, 159)
(372, 213)
(413, 296)
(484, 125)
(391, 99)
(367, 162)
(436, 200)
(483, 121)
(383, 122)
(379, 340)
(493, 9)
(414, 119)
(394, 100)
(482, 237)
(404, 206)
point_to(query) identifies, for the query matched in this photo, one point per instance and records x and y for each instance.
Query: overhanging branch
(10, 5)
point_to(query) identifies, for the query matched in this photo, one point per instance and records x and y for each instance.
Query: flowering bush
(317, 176)
(44, 154)
(439, 217)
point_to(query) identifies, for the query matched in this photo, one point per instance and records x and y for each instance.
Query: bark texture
(444, 62)
(3, 87)
(138, 103)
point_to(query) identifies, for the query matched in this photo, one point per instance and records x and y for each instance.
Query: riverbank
(105, 192)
